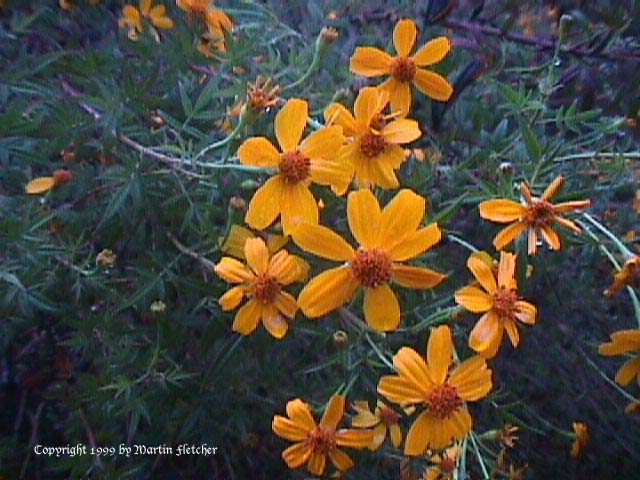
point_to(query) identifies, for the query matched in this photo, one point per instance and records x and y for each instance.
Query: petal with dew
(433, 85)
(432, 52)
(381, 308)
(328, 291)
(370, 62)
(363, 214)
(290, 122)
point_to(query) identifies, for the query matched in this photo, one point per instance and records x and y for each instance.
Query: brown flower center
(265, 289)
(372, 145)
(447, 464)
(322, 439)
(444, 400)
(403, 68)
(378, 122)
(504, 303)
(294, 167)
(389, 416)
(263, 94)
(371, 267)
(539, 213)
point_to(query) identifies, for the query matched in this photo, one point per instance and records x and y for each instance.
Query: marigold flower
(132, 17)
(262, 280)
(44, 184)
(387, 238)
(315, 442)
(195, 7)
(582, 438)
(384, 419)
(624, 341)
(445, 464)
(214, 40)
(498, 300)
(537, 215)
(441, 391)
(373, 142)
(629, 275)
(403, 69)
(287, 193)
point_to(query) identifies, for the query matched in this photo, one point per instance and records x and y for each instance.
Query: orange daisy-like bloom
(218, 23)
(384, 419)
(624, 341)
(195, 7)
(387, 238)
(44, 184)
(582, 438)
(315, 442)
(132, 17)
(262, 281)
(629, 275)
(287, 193)
(441, 391)
(498, 300)
(537, 215)
(373, 143)
(404, 69)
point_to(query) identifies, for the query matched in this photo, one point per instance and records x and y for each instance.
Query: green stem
(241, 124)
(315, 63)
(483, 467)
(626, 253)
(588, 155)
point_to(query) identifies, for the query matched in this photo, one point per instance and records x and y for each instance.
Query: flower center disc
(444, 400)
(371, 267)
(504, 303)
(539, 213)
(372, 145)
(322, 440)
(294, 167)
(265, 289)
(403, 69)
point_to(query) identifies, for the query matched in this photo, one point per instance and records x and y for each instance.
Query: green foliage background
(84, 357)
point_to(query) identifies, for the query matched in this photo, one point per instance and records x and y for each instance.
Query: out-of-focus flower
(622, 342)
(373, 148)
(286, 194)
(507, 436)
(44, 184)
(132, 18)
(158, 307)
(68, 4)
(106, 258)
(384, 419)
(261, 280)
(403, 69)
(444, 464)
(582, 438)
(315, 442)
(443, 392)
(218, 23)
(629, 275)
(387, 238)
(262, 95)
(498, 300)
(195, 7)
(537, 215)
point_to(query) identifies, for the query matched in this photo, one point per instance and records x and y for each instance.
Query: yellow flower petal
(381, 170)
(337, 174)
(401, 216)
(145, 6)
(298, 207)
(419, 435)
(433, 84)
(526, 312)
(323, 143)
(369, 102)
(553, 188)
(412, 367)
(340, 460)
(40, 185)
(474, 299)
(257, 255)
(434, 51)
(290, 122)
(233, 271)
(501, 210)
(323, 242)
(381, 308)
(354, 438)
(396, 435)
(317, 463)
(439, 351)
(483, 273)
(286, 268)
(231, 299)
(297, 454)
(265, 205)
(400, 390)
(334, 412)
(415, 243)
(327, 291)
(300, 413)
(273, 321)
(404, 36)
(286, 304)
(621, 342)
(258, 151)
(508, 234)
(370, 62)
(416, 277)
(288, 429)
(158, 18)
(399, 95)
(379, 434)
(485, 331)
(629, 370)
(551, 237)
(337, 114)
(365, 417)
(472, 378)
(363, 214)
(247, 317)
(400, 131)
(507, 270)
(573, 205)
(512, 331)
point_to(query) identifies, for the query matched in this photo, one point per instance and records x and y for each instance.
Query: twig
(588, 155)
(208, 264)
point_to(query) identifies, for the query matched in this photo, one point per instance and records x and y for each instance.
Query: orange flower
(44, 184)
(537, 215)
(218, 23)
(373, 145)
(624, 341)
(445, 464)
(629, 275)
(234, 242)
(315, 442)
(387, 238)
(262, 281)
(403, 69)
(441, 391)
(384, 418)
(195, 7)
(498, 300)
(132, 17)
(582, 438)
(287, 193)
